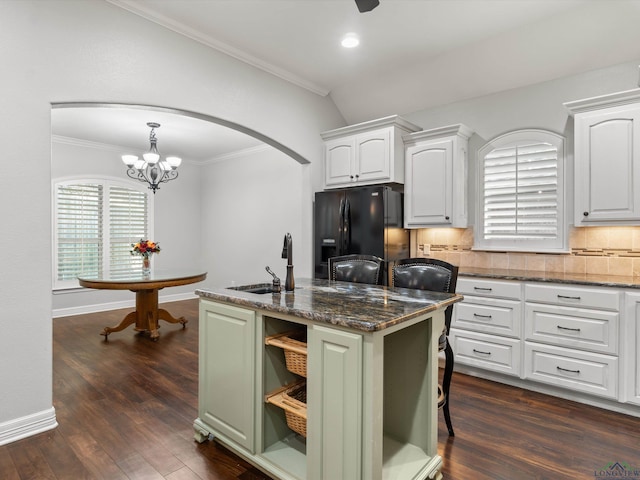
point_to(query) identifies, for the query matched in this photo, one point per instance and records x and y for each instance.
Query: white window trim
(60, 285)
(509, 139)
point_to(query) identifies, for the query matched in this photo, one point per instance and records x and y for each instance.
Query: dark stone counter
(590, 279)
(358, 306)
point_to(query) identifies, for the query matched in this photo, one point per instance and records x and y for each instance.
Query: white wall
(249, 203)
(69, 51)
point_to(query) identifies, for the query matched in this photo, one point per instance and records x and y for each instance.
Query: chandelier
(150, 168)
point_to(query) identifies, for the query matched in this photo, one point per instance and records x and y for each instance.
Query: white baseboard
(103, 307)
(96, 307)
(24, 427)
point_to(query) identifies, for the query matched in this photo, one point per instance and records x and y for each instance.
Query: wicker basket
(295, 350)
(293, 400)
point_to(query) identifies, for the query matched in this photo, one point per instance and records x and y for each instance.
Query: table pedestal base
(146, 315)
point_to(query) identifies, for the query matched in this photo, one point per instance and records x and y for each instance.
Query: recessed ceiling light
(350, 40)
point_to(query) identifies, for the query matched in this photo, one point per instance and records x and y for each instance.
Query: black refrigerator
(364, 220)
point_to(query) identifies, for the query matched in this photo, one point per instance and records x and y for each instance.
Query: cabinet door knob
(586, 214)
(446, 218)
(351, 177)
(357, 176)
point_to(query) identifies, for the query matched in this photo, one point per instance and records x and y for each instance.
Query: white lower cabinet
(577, 370)
(486, 326)
(572, 337)
(582, 329)
(487, 351)
(489, 315)
(550, 336)
(573, 296)
(631, 346)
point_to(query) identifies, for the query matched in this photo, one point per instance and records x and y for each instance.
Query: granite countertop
(590, 279)
(358, 306)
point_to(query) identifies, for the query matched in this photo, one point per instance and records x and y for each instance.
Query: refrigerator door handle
(341, 228)
(347, 227)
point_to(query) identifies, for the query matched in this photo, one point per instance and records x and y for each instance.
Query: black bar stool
(435, 275)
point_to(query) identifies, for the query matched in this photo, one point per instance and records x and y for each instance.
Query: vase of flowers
(145, 248)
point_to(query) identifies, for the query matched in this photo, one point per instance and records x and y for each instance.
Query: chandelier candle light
(150, 168)
(145, 248)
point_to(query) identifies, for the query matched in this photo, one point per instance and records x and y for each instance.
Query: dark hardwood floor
(125, 410)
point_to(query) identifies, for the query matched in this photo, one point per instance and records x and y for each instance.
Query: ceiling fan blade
(367, 5)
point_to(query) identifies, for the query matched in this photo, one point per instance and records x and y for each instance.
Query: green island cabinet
(371, 386)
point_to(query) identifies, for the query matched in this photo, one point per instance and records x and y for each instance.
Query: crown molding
(604, 101)
(458, 129)
(78, 142)
(390, 121)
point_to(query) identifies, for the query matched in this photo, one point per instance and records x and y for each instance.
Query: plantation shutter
(79, 230)
(128, 213)
(521, 192)
(96, 221)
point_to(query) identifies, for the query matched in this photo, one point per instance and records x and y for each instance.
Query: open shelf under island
(371, 379)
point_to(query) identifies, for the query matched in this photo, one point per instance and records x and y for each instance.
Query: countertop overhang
(358, 306)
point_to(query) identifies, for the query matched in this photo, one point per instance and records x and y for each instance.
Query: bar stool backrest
(357, 269)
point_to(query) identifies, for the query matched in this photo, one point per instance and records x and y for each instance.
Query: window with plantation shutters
(128, 213)
(521, 204)
(79, 230)
(96, 221)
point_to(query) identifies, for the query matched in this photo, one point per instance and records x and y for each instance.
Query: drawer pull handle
(567, 370)
(483, 289)
(566, 297)
(477, 315)
(481, 352)
(568, 328)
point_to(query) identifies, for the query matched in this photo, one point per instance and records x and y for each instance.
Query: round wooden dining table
(146, 287)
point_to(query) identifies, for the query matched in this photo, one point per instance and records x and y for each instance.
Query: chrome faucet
(275, 288)
(287, 252)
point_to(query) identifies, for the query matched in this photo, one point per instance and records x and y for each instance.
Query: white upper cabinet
(435, 191)
(366, 153)
(607, 159)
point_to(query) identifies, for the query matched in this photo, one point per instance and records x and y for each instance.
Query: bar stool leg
(446, 383)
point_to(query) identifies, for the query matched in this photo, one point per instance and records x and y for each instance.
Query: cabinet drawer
(486, 351)
(488, 315)
(492, 288)
(605, 299)
(572, 327)
(592, 373)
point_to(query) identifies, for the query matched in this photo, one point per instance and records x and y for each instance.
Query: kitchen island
(371, 379)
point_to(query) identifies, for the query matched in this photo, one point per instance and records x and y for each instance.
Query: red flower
(145, 248)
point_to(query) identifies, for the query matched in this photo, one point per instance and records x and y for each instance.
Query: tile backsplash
(594, 250)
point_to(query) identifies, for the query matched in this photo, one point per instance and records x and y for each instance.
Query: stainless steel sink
(258, 288)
